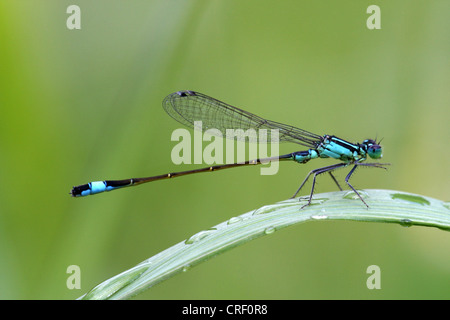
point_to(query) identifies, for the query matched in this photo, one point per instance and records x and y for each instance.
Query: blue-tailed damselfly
(189, 106)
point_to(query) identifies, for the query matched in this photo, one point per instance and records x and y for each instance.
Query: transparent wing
(189, 106)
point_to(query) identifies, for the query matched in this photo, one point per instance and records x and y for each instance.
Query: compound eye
(374, 151)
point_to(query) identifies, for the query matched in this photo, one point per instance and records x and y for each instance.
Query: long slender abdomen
(109, 185)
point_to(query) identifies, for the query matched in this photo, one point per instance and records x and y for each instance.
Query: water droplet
(316, 201)
(234, 220)
(406, 223)
(447, 205)
(108, 288)
(186, 268)
(410, 198)
(199, 236)
(351, 195)
(269, 230)
(271, 208)
(259, 211)
(319, 216)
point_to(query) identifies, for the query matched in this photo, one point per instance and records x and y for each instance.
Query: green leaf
(384, 206)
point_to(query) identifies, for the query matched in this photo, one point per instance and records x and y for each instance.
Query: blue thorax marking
(337, 148)
(332, 147)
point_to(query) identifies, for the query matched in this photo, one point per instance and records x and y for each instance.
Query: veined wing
(189, 106)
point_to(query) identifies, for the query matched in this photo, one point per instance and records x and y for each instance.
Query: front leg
(346, 180)
(375, 165)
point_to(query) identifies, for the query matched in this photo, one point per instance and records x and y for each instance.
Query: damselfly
(188, 107)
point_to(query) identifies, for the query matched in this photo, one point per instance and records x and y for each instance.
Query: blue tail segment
(98, 187)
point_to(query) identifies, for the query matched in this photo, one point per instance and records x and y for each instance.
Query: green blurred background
(85, 105)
